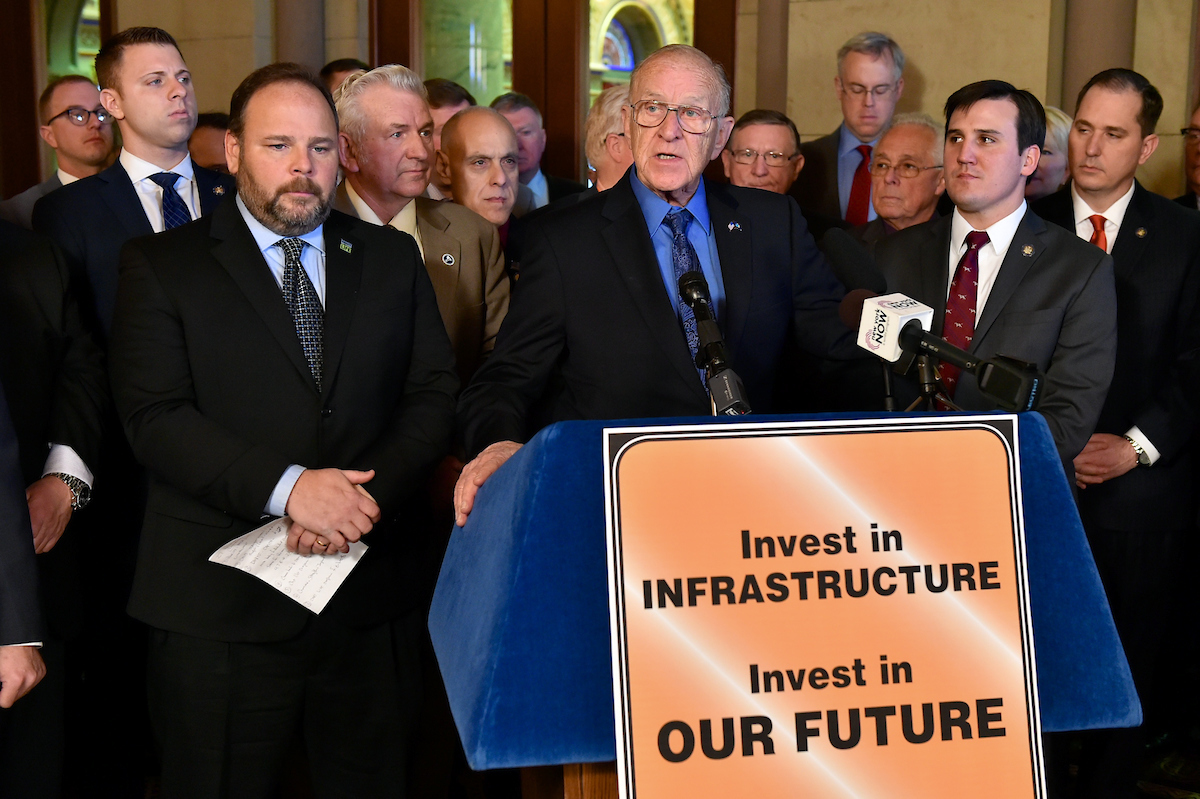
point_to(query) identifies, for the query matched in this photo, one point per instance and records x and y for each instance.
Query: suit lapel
(122, 199)
(1024, 251)
(443, 256)
(1130, 246)
(237, 251)
(633, 255)
(934, 250)
(343, 276)
(735, 246)
(211, 186)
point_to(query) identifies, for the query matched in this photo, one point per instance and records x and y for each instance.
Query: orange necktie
(1099, 238)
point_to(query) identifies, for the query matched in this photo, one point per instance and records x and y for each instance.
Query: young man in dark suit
(1002, 281)
(1137, 474)
(276, 358)
(596, 329)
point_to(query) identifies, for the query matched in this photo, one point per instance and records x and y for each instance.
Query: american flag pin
(218, 190)
(734, 226)
(1140, 233)
(346, 246)
(1027, 250)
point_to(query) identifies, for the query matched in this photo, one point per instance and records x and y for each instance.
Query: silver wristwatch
(1143, 457)
(81, 495)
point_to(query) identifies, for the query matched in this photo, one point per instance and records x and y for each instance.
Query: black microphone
(725, 388)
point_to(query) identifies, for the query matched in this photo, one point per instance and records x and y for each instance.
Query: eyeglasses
(880, 169)
(80, 116)
(1191, 134)
(651, 114)
(878, 92)
(748, 157)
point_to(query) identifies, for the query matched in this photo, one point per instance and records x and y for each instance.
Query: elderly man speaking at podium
(596, 328)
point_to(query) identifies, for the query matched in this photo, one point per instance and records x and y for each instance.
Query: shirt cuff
(64, 459)
(37, 644)
(1140, 437)
(277, 504)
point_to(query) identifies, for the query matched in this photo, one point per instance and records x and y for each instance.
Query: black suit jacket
(816, 189)
(1053, 304)
(591, 332)
(20, 617)
(1187, 200)
(217, 400)
(1156, 261)
(90, 220)
(561, 187)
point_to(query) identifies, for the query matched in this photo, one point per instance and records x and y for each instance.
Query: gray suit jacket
(466, 266)
(1053, 304)
(18, 209)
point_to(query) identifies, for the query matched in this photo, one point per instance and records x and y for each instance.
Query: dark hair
(343, 65)
(218, 120)
(515, 101)
(1031, 117)
(261, 78)
(766, 116)
(108, 60)
(51, 87)
(444, 92)
(1126, 80)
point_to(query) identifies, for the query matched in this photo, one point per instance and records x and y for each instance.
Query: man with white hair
(906, 177)
(386, 150)
(608, 151)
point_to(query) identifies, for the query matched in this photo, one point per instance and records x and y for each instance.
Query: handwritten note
(311, 580)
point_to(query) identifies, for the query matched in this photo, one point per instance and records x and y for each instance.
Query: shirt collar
(1115, 213)
(360, 206)
(1000, 234)
(538, 185)
(66, 178)
(654, 208)
(139, 170)
(405, 219)
(266, 238)
(848, 142)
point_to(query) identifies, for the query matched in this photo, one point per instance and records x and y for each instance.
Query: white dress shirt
(991, 255)
(66, 178)
(405, 221)
(540, 188)
(150, 194)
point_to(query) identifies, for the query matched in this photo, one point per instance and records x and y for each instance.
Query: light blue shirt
(699, 233)
(312, 258)
(848, 160)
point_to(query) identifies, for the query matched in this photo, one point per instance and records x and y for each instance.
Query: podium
(520, 620)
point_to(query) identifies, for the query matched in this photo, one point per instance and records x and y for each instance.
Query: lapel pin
(448, 259)
(346, 246)
(1140, 233)
(1027, 250)
(734, 226)
(218, 190)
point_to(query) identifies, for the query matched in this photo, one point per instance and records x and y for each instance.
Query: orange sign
(824, 609)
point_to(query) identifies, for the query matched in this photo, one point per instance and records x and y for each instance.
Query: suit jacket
(90, 220)
(561, 187)
(816, 189)
(525, 202)
(592, 333)
(20, 617)
(1187, 200)
(19, 208)
(1156, 261)
(1053, 304)
(211, 382)
(466, 265)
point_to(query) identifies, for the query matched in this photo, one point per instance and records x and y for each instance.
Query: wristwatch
(81, 495)
(1142, 456)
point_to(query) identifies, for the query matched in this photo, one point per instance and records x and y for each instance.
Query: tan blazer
(466, 266)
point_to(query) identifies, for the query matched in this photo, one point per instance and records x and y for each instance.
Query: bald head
(682, 56)
(478, 159)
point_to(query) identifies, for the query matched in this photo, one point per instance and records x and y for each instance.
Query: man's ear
(233, 152)
(442, 164)
(112, 103)
(346, 154)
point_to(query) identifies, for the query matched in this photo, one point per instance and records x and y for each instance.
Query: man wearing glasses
(763, 152)
(837, 180)
(596, 330)
(1191, 161)
(906, 177)
(76, 125)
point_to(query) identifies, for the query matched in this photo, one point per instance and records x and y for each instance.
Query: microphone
(894, 324)
(725, 389)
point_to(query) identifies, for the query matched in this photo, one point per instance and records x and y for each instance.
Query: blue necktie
(684, 259)
(305, 306)
(175, 211)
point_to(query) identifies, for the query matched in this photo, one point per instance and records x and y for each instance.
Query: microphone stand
(726, 393)
(931, 390)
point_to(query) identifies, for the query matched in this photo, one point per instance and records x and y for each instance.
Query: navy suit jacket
(1156, 262)
(20, 617)
(90, 220)
(592, 334)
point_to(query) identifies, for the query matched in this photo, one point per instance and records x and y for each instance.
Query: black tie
(302, 301)
(175, 211)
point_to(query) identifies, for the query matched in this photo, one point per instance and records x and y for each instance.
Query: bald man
(478, 160)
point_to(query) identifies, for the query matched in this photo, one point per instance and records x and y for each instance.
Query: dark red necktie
(959, 326)
(860, 191)
(1099, 237)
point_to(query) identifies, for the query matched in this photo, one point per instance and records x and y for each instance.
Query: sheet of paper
(311, 580)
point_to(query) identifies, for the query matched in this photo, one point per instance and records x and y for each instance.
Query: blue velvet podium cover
(520, 616)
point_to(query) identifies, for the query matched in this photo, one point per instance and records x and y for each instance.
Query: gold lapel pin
(1140, 233)
(448, 259)
(218, 190)
(1027, 250)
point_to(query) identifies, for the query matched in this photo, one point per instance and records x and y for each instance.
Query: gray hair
(1058, 128)
(923, 121)
(604, 119)
(875, 45)
(348, 96)
(713, 72)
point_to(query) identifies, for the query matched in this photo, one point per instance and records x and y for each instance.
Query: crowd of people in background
(352, 298)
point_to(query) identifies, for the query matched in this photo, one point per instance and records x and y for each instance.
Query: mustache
(299, 184)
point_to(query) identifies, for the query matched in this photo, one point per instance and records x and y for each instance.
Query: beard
(268, 207)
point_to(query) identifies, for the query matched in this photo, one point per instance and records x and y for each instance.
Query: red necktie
(1099, 237)
(959, 326)
(860, 190)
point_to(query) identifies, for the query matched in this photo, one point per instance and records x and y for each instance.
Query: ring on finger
(322, 544)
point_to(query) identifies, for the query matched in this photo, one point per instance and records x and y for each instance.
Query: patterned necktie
(859, 206)
(684, 259)
(175, 211)
(959, 325)
(305, 306)
(1099, 237)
